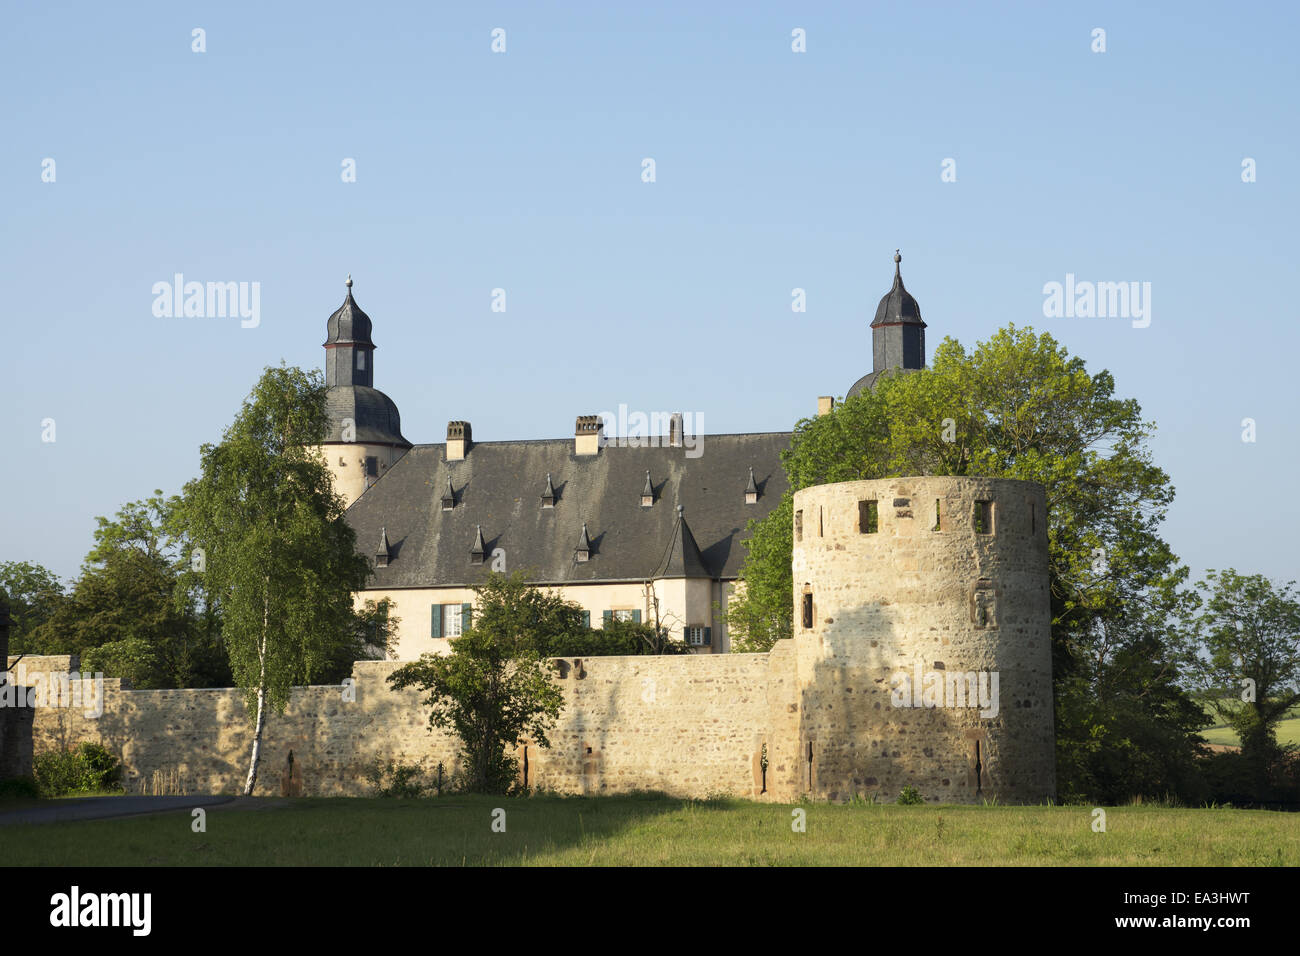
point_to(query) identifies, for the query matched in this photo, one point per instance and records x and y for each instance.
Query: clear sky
(522, 171)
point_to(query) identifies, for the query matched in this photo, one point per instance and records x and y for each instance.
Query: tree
(279, 559)
(137, 611)
(1019, 406)
(35, 593)
(494, 688)
(1248, 633)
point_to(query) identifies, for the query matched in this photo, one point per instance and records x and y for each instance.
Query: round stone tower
(923, 642)
(365, 434)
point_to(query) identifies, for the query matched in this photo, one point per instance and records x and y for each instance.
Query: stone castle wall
(903, 599)
(684, 725)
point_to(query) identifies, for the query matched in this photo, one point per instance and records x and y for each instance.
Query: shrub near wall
(90, 768)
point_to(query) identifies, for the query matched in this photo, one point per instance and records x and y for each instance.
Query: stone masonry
(939, 588)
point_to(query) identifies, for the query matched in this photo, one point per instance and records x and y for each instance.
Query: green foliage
(764, 610)
(280, 560)
(89, 768)
(34, 595)
(136, 611)
(19, 788)
(494, 689)
(393, 779)
(910, 797)
(1247, 633)
(281, 563)
(369, 638)
(1019, 406)
(617, 637)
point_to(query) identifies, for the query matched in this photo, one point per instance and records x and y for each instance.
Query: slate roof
(348, 324)
(374, 414)
(498, 487)
(897, 307)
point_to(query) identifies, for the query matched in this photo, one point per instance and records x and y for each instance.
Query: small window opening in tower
(868, 516)
(810, 765)
(821, 526)
(979, 769)
(361, 360)
(983, 517)
(807, 611)
(938, 516)
(798, 525)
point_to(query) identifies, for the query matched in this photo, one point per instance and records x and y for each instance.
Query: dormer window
(448, 497)
(647, 493)
(751, 490)
(548, 493)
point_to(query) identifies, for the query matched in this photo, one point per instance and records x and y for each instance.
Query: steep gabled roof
(496, 488)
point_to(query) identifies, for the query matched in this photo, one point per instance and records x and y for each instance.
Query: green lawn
(1288, 732)
(657, 831)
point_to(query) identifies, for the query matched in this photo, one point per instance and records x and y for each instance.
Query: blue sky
(522, 170)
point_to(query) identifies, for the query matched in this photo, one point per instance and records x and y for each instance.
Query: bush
(615, 639)
(19, 788)
(910, 797)
(404, 780)
(90, 768)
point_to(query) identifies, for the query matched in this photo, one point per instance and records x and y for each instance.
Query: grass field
(1288, 732)
(658, 831)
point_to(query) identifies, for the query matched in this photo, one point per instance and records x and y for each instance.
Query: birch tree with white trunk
(280, 560)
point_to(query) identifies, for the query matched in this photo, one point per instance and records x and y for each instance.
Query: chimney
(458, 440)
(825, 405)
(675, 430)
(586, 435)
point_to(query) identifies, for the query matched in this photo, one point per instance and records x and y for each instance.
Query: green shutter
(636, 617)
(435, 621)
(607, 616)
(466, 614)
(708, 637)
(586, 619)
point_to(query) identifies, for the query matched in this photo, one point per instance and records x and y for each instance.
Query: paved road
(99, 808)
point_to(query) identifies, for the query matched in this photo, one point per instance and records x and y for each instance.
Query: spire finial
(680, 509)
(348, 283)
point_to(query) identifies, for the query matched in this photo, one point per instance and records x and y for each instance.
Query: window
(699, 636)
(798, 525)
(586, 619)
(983, 517)
(868, 516)
(807, 611)
(361, 360)
(938, 517)
(450, 620)
(372, 466)
(623, 614)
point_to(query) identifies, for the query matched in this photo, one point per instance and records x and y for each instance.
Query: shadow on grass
(451, 830)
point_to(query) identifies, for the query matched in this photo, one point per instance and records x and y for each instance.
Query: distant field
(657, 831)
(1288, 731)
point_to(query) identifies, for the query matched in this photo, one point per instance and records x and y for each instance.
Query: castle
(644, 528)
(920, 656)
